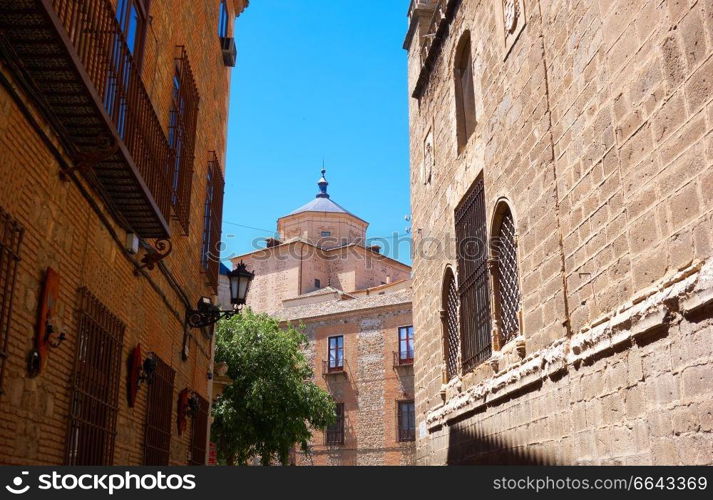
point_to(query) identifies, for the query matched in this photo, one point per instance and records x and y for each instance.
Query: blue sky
(318, 79)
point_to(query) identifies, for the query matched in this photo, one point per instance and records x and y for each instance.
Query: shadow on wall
(469, 444)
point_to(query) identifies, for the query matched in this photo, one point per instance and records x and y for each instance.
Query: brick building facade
(561, 177)
(113, 118)
(355, 306)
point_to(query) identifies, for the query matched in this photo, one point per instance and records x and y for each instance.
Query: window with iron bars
(157, 435)
(451, 335)
(95, 384)
(335, 432)
(212, 220)
(473, 291)
(11, 233)
(199, 434)
(506, 281)
(181, 137)
(406, 421)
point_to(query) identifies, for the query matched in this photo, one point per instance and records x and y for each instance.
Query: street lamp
(207, 314)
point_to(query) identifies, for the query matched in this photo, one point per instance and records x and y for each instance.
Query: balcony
(71, 56)
(399, 361)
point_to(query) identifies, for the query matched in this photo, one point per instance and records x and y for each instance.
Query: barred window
(464, 92)
(407, 421)
(95, 384)
(181, 137)
(473, 292)
(157, 436)
(451, 338)
(212, 220)
(335, 432)
(199, 434)
(506, 286)
(11, 233)
(406, 344)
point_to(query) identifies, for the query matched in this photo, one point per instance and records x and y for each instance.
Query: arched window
(451, 337)
(465, 93)
(506, 279)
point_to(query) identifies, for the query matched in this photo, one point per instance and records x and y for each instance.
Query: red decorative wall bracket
(46, 332)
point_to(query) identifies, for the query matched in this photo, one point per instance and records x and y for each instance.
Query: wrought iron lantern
(207, 313)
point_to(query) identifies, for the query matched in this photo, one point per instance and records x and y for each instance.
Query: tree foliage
(272, 403)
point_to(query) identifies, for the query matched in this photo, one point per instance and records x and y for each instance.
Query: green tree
(272, 403)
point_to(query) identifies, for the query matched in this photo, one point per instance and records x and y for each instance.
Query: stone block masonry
(594, 124)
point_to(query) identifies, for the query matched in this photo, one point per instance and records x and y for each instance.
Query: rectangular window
(407, 421)
(317, 284)
(335, 432)
(132, 15)
(223, 20)
(11, 233)
(212, 220)
(473, 291)
(94, 400)
(326, 234)
(159, 407)
(199, 434)
(406, 345)
(182, 121)
(336, 353)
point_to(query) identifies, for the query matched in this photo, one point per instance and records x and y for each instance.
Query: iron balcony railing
(95, 33)
(333, 370)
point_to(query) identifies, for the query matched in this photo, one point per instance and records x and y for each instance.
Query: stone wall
(594, 122)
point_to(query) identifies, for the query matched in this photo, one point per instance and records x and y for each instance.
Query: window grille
(465, 93)
(507, 288)
(157, 437)
(452, 340)
(181, 137)
(473, 277)
(335, 432)
(407, 421)
(212, 220)
(11, 233)
(95, 384)
(199, 435)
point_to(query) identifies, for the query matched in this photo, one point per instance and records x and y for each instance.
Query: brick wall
(593, 122)
(369, 389)
(85, 246)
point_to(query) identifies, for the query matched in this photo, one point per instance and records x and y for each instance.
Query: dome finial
(323, 185)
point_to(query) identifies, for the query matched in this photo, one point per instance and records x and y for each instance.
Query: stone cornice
(679, 295)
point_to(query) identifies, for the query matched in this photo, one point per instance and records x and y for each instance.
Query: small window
(199, 432)
(181, 137)
(465, 92)
(407, 421)
(336, 353)
(212, 219)
(335, 432)
(159, 404)
(317, 284)
(326, 234)
(406, 344)
(223, 20)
